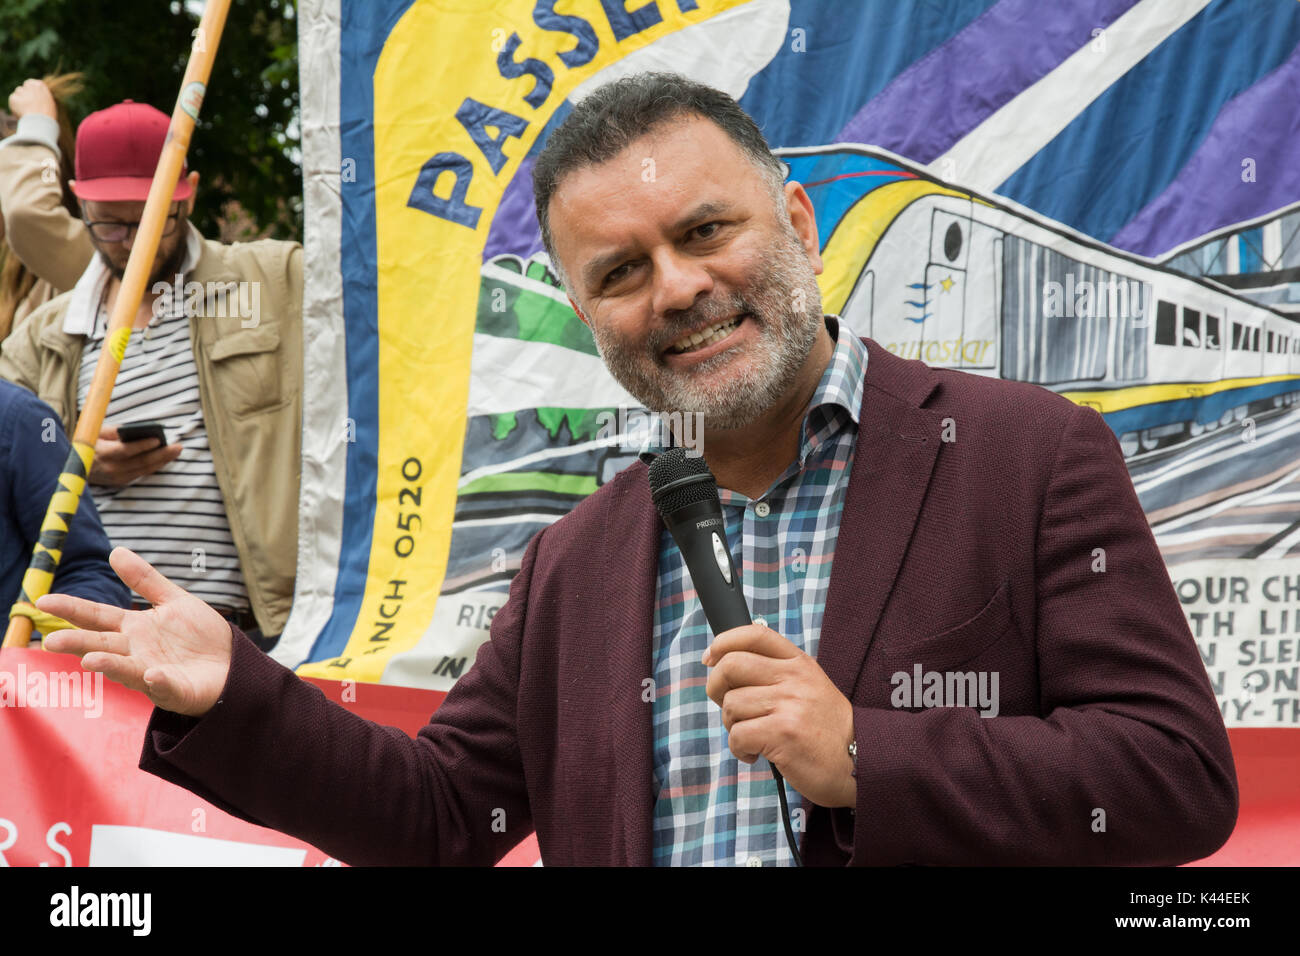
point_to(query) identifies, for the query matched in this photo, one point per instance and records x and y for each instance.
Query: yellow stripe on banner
(117, 344)
(441, 58)
(854, 240)
(1118, 399)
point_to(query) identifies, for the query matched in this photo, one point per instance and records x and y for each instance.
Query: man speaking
(901, 532)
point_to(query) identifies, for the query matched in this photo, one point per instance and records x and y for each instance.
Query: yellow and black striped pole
(63, 505)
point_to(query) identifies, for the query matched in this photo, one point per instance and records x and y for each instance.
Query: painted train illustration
(929, 271)
(976, 283)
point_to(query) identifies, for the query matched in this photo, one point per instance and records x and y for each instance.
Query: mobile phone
(137, 430)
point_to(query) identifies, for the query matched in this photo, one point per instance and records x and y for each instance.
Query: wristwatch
(853, 752)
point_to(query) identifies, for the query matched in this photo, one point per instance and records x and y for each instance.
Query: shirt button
(762, 509)
(753, 861)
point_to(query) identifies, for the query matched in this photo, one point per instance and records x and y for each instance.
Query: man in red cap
(215, 359)
(113, 179)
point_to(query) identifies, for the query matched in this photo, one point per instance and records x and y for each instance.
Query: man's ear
(804, 222)
(585, 320)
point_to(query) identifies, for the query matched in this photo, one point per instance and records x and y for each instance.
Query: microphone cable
(785, 814)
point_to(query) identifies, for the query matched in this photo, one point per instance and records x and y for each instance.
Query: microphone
(685, 494)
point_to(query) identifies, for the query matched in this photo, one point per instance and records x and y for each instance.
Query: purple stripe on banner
(942, 97)
(1217, 186)
(514, 228)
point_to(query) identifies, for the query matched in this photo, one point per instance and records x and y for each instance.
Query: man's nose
(678, 281)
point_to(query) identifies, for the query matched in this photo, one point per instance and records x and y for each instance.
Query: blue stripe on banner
(1130, 143)
(846, 54)
(836, 181)
(1203, 410)
(365, 27)
(933, 103)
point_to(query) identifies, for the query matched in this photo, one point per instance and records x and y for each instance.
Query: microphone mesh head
(696, 481)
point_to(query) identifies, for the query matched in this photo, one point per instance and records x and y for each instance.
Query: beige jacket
(250, 388)
(51, 242)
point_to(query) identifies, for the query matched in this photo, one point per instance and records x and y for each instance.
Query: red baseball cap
(117, 152)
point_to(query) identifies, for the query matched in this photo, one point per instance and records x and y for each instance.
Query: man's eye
(708, 230)
(618, 273)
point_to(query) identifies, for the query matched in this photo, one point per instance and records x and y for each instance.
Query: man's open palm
(177, 653)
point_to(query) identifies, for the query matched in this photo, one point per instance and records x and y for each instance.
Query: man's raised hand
(177, 653)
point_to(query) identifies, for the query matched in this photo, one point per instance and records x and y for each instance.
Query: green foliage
(246, 147)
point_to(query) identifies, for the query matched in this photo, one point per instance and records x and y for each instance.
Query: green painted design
(504, 424)
(583, 423)
(510, 312)
(533, 481)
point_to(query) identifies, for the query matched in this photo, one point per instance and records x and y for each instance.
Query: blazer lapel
(898, 443)
(631, 553)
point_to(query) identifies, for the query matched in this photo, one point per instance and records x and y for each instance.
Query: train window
(1269, 346)
(1191, 328)
(952, 242)
(1236, 336)
(1166, 322)
(1254, 340)
(1212, 332)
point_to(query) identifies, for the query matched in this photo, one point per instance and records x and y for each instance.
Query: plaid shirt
(710, 809)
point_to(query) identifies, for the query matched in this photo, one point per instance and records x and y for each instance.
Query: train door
(945, 289)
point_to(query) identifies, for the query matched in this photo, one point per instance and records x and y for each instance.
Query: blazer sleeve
(1129, 763)
(276, 752)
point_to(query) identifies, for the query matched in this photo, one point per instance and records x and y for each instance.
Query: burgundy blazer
(978, 518)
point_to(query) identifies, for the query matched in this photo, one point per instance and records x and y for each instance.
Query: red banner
(74, 796)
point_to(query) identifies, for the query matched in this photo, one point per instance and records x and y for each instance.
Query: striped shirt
(710, 809)
(174, 518)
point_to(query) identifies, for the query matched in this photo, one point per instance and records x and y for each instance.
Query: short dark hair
(617, 114)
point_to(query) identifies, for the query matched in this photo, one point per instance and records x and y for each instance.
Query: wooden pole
(72, 482)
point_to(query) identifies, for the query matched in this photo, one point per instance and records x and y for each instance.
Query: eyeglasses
(111, 231)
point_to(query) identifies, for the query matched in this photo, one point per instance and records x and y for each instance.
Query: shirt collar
(841, 386)
(88, 293)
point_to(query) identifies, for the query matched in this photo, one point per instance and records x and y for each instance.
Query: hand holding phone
(127, 452)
